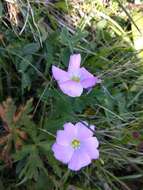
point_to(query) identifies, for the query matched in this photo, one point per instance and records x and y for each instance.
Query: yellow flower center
(75, 143)
(76, 79)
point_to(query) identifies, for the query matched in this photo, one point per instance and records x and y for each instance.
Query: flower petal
(70, 129)
(91, 144)
(71, 88)
(87, 79)
(74, 63)
(65, 137)
(79, 159)
(62, 153)
(82, 131)
(88, 82)
(59, 74)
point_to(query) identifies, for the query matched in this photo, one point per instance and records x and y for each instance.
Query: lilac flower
(75, 79)
(76, 146)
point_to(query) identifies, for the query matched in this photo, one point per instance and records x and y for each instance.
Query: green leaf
(26, 82)
(42, 182)
(24, 64)
(61, 5)
(101, 24)
(11, 109)
(137, 84)
(30, 48)
(43, 29)
(46, 146)
(54, 164)
(25, 151)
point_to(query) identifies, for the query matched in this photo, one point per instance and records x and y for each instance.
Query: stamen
(76, 79)
(75, 143)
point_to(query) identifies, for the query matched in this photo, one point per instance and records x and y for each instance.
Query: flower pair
(75, 145)
(75, 79)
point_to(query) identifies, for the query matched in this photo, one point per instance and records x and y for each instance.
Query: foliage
(35, 35)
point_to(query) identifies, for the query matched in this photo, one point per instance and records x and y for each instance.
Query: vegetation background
(36, 34)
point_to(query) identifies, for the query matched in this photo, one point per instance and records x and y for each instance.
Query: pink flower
(75, 79)
(76, 146)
